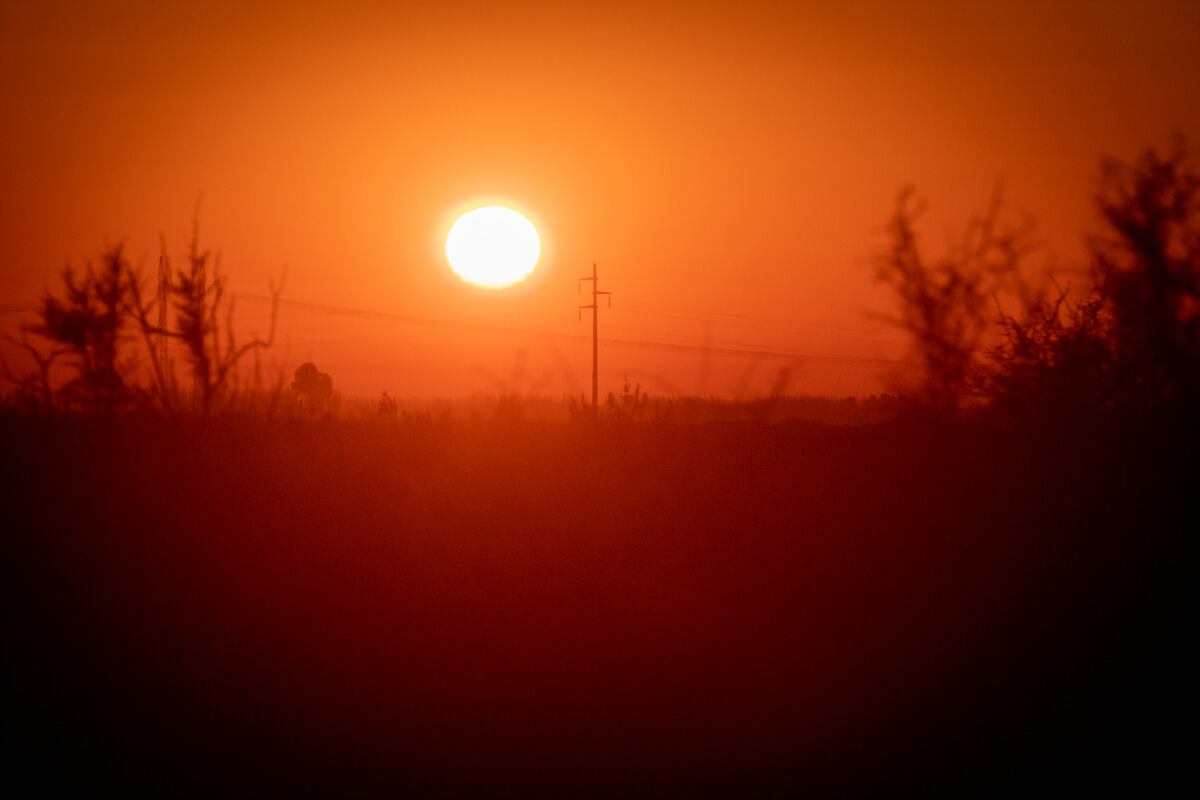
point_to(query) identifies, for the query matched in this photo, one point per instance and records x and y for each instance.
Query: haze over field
(731, 173)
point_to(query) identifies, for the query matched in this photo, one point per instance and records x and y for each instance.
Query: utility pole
(595, 307)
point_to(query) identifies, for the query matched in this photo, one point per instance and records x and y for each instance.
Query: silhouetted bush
(313, 388)
(1128, 344)
(944, 304)
(629, 406)
(92, 325)
(1054, 361)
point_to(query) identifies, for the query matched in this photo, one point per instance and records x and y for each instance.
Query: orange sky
(728, 167)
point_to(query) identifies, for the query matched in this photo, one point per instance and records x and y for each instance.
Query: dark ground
(341, 607)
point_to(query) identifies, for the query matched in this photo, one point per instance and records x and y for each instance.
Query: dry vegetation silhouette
(1128, 343)
(981, 586)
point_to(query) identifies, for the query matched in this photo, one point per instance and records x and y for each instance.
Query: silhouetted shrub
(313, 388)
(1130, 343)
(944, 304)
(92, 322)
(1054, 362)
(629, 406)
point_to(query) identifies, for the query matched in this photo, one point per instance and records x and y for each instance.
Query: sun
(493, 247)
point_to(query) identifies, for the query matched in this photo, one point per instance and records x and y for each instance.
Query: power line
(772, 320)
(710, 347)
(728, 280)
(779, 326)
(771, 329)
(716, 347)
(637, 344)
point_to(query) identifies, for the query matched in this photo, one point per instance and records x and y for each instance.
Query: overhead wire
(709, 345)
(714, 347)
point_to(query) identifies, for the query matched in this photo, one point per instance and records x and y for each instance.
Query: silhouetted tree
(1146, 269)
(210, 345)
(313, 388)
(87, 324)
(944, 304)
(154, 335)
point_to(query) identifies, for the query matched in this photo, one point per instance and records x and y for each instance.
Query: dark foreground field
(354, 606)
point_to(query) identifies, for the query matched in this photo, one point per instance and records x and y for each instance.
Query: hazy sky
(729, 167)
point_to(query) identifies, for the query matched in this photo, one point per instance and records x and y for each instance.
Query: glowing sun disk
(492, 246)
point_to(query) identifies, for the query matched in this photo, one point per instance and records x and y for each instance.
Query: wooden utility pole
(595, 307)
